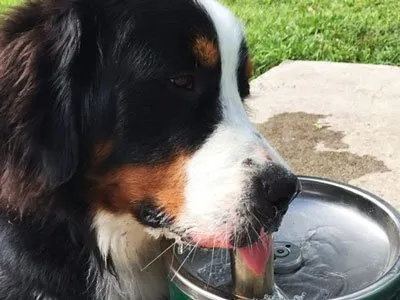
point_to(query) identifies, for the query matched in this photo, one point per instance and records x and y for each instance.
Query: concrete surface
(334, 120)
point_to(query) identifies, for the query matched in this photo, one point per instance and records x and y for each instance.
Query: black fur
(73, 74)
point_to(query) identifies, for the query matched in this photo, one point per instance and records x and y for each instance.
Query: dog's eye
(183, 82)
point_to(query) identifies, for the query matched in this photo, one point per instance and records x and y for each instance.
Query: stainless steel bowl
(343, 243)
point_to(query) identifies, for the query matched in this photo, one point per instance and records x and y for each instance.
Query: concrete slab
(335, 120)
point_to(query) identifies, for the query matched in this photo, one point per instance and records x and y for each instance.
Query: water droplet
(180, 249)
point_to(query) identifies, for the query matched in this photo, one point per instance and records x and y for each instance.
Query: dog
(123, 122)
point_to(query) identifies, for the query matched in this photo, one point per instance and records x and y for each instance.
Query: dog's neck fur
(123, 240)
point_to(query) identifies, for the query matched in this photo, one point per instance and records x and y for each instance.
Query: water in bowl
(213, 267)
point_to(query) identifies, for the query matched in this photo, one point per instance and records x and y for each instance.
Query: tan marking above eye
(206, 51)
(102, 151)
(249, 68)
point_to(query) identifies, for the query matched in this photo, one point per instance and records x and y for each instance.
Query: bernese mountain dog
(122, 122)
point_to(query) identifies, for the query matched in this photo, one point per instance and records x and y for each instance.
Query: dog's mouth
(254, 249)
(249, 235)
(252, 240)
(255, 255)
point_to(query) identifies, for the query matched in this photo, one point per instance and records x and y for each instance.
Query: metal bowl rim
(187, 282)
(387, 279)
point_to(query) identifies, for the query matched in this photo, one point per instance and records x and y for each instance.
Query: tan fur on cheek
(206, 51)
(124, 189)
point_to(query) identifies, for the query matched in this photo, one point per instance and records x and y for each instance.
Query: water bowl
(336, 242)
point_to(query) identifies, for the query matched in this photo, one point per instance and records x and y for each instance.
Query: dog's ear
(38, 131)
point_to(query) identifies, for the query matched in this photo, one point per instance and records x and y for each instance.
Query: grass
(366, 31)
(6, 3)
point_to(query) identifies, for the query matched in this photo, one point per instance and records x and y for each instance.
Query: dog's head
(136, 108)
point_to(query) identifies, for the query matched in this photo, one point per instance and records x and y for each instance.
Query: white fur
(131, 249)
(216, 175)
(216, 180)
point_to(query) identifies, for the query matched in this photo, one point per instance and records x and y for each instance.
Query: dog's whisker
(226, 252)
(184, 261)
(254, 216)
(211, 265)
(249, 237)
(157, 257)
(172, 261)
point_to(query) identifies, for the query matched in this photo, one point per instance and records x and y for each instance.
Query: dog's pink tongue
(256, 256)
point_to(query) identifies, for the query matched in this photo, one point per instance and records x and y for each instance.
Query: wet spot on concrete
(299, 136)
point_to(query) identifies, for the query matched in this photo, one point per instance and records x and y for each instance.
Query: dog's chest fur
(139, 275)
(53, 266)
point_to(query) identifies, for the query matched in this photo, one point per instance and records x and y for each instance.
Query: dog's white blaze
(216, 180)
(216, 174)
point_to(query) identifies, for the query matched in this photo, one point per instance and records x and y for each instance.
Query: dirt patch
(297, 137)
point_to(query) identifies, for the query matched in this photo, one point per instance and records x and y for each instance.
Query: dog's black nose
(279, 186)
(270, 195)
(273, 190)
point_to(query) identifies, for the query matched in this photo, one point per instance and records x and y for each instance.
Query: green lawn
(8, 2)
(365, 31)
(5, 3)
